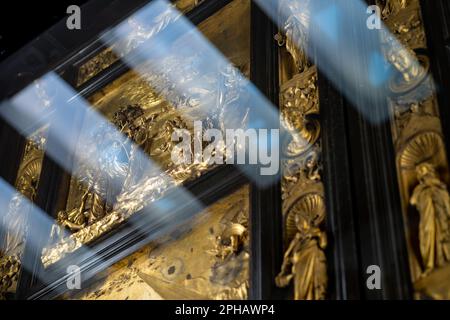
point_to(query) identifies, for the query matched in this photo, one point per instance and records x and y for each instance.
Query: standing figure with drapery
(304, 260)
(432, 200)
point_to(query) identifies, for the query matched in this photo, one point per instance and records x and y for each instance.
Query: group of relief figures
(119, 165)
(97, 195)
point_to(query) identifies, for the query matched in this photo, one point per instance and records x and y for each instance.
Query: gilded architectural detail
(9, 271)
(391, 7)
(139, 32)
(107, 200)
(206, 259)
(422, 163)
(404, 21)
(432, 200)
(93, 209)
(95, 65)
(115, 158)
(295, 32)
(26, 184)
(145, 106)
(187, 5)
(405, 41)
(421, 159)
(300, 112)
(16, 218)
(304, 263)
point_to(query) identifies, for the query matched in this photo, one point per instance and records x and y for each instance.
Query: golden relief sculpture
(390, 7)
(206, 259)
(26, 184)
(135, 108)
(422, 166)
(9, 272)
(187, 5)
(96, 200)
(141, 31)
(98, 197)
(404, 41)
(432, 200)
(95, 65)
(100, 202)
(304, 262)
(295, 33)
(15, 219)
(300, 111)
(293, 38)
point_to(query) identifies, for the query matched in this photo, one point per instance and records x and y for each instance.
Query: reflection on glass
(147, 119)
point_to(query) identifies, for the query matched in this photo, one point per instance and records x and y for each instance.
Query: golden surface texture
(207, 259)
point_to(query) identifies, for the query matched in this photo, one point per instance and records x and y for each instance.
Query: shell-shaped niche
(311, 207)
(29, 173)
(423, 147)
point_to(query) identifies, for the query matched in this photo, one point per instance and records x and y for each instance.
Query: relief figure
(304, 260)
(431, 198)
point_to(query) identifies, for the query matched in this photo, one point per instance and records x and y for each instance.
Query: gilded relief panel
(207, 259)
(422, 166)
(131, 103)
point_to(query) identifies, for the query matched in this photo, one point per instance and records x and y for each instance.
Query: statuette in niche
(304, 260)
(432, 200)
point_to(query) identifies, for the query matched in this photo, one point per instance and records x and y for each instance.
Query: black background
(22, 21)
